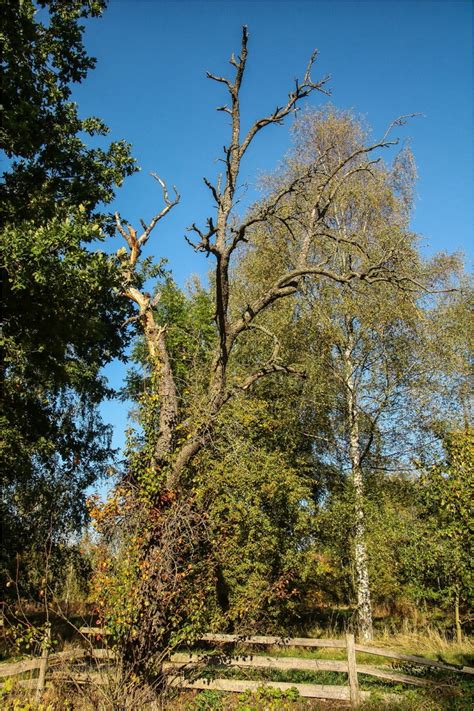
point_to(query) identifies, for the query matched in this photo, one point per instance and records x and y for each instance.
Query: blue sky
(385, 58)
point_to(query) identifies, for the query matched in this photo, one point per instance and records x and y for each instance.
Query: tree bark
(457, 618)
(364, 605)
(163, 381)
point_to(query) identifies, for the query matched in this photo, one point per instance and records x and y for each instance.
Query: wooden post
(352, 670)
(44, 663)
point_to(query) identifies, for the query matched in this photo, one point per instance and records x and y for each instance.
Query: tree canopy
(61, 316)
(53, 167)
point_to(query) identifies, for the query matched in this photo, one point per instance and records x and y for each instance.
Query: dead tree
(220, 238)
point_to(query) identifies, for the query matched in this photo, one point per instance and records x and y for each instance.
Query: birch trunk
(457, 619)
(364, 605)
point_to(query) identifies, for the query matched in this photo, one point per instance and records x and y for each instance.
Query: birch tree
(366, 338)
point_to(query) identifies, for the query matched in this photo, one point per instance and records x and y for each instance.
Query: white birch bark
(364, 605)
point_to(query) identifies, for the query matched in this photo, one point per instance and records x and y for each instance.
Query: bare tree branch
(300, 92)
(215, 190)
(266, 370)
(400, 121)
(169, 204)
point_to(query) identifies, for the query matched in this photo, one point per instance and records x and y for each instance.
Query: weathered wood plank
(382, 673)
(78, 653)
(281, 641)
(11, 669)
(247, 639)
(101, 631)
(180, 660)
(69, 655)
(104, 654)
(96, 678)
(424, 661)
(14, 668)
(43, 663)
(259, 662)
(312, 691)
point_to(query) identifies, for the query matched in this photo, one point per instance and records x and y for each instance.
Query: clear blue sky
(386, 58)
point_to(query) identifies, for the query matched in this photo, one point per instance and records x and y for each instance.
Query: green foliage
(208, 700)
(441, 554)
(25, 638)
(41, 131)
(268, 698)
(13, 699)
(418, 532)
(445, 401)
(62, 327)
(265, 697)
(260, 509)
(448, 487)
(62, 316)
(391, 513)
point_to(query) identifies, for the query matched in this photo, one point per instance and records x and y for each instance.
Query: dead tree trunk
(162, 377)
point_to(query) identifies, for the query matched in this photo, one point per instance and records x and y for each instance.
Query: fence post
(352, 670)
(44, 663)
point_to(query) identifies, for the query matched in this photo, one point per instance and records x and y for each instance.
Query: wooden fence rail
(180, 665)
(329, 643)
(190, 661)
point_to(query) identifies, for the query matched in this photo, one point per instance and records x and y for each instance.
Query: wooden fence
(182, 667)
